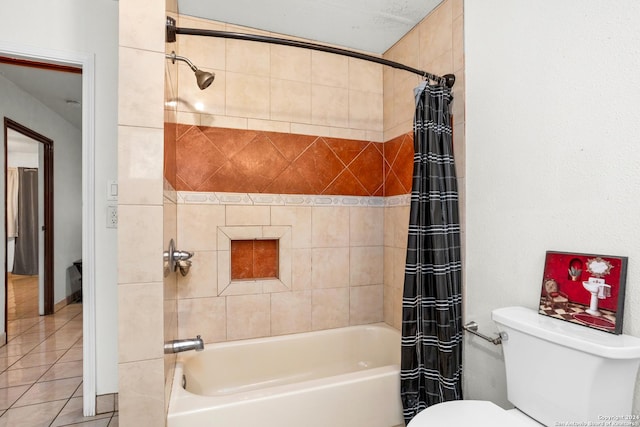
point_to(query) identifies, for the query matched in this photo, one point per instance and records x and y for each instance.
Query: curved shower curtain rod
(172, 31)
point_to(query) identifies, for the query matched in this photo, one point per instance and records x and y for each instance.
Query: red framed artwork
(586, 289)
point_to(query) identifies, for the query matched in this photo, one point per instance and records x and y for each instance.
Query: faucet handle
(182, 255)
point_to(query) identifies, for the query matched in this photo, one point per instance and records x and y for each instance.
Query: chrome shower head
(203, 78)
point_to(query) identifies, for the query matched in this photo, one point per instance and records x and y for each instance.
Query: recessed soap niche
(238, 248)
(254, 259)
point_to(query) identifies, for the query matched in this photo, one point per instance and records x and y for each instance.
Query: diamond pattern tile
(345, 149)
(393, 186)
(235, 160)
(368, 168)
(260, 162)
(170, 132)
(196, 157)
(319, 165)
(345, 184)
(290, 182)
(290, 145)
(398, 173)
(403, 165)
(228, 141)
(391, 149)
(226, 179)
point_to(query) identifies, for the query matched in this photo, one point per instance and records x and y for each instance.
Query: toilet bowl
(602, 368)
(458, 413)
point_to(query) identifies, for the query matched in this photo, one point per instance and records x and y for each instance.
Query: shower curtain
(12, 202)
(431, 367)
(26, 253)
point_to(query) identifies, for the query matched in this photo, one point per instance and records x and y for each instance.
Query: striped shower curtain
(431, 367)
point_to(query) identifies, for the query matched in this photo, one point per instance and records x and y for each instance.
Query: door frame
(47, 145)
(85, 61)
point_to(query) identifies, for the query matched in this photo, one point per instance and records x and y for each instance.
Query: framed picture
(586, 289)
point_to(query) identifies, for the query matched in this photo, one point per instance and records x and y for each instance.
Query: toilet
(557, 372)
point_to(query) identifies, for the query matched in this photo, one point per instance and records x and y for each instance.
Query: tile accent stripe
(231, 160)
(248, 199)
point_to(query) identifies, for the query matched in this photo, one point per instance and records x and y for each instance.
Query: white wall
(553, 154)
(86, 27)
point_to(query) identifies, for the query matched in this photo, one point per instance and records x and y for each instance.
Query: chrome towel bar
(473, 328)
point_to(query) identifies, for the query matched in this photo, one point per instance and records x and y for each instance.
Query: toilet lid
(468, 413)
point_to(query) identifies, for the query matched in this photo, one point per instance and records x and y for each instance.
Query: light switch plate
(112, 190)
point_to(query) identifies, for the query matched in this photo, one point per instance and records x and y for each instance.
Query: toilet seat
(469, 413)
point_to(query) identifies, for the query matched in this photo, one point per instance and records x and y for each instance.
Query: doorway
(29, 227)
(84, 65)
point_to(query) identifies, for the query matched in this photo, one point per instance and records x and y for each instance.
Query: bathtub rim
(182, 357)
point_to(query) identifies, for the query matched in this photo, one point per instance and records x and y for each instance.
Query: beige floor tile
(74, 353)
(26, 338)
(71, 414)
(9, 395)
(14, 377)
(49, 391)
(63, 370)
(78, 392)
(16, 349)
(15, 327)
(32, 416)
(114, 421)
(5, 362)
(72, 325)
(58, 341)
(41, 328)
(38, 359)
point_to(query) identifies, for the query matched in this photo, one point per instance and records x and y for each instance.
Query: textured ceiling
(367, 25)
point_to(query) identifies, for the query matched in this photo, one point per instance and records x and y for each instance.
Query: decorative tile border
(192, 197)
(401, 200)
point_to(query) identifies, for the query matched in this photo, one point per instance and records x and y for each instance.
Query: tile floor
(22, 296)
(41, 372)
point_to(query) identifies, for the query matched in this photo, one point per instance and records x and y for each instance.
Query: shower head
(203, 78)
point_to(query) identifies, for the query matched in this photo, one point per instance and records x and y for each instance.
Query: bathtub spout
(177, 346)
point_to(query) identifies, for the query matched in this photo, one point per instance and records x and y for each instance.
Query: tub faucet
(176, 346)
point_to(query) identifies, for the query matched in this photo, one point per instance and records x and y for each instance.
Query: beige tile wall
(396, 225)
(140, 210)
(170, 222)
(336, 258)
(434, 45)
(278, 88)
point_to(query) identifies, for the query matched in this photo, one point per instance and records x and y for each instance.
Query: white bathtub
(347, 377)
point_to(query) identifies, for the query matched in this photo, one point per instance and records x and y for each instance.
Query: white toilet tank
(560, 372)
